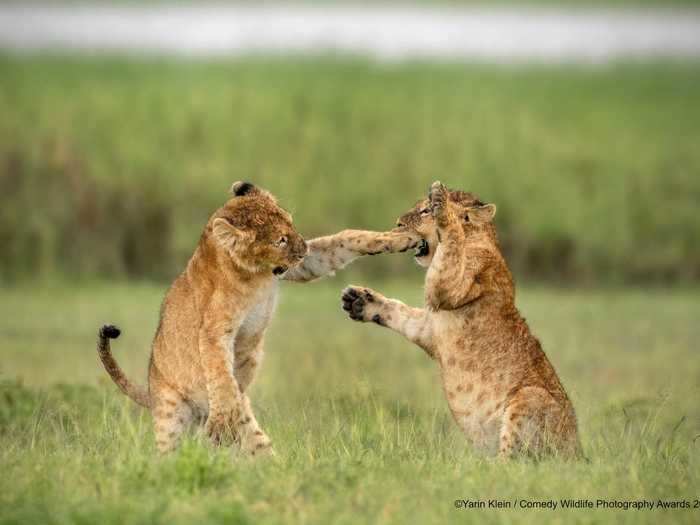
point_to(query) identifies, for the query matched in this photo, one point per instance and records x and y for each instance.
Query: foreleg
(328, 254)
(225, 398)
(253, 440)
(415, 324)
(246, 364)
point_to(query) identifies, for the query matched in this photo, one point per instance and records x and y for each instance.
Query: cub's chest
(260, 311)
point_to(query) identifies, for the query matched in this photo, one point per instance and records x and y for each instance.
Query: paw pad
(354, 301)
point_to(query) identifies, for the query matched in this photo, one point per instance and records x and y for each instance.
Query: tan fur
(328, 254)
(501, 388)
(209, 343)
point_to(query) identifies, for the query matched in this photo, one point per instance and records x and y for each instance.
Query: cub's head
(473, 215)
(256, 232)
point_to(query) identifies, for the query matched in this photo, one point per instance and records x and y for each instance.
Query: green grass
(362, 432)
(595, 171)
(433, 3)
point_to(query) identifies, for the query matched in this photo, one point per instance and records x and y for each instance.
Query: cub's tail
(135, 392)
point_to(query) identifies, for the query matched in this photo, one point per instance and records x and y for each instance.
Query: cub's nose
(400, 224)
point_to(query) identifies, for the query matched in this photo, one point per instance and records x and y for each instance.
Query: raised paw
(403, 241)
(362, 304)
(395, 241)
(438, 199)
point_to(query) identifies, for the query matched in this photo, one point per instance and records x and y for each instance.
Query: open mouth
(422, 249)
(279, 270)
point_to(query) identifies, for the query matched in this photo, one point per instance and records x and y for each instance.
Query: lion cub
(499, 384)
(209, 343)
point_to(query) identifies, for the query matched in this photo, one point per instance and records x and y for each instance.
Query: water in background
(552, 34)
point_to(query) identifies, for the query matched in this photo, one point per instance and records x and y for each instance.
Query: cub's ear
(240, 188)
(481, 214)
(226, 234)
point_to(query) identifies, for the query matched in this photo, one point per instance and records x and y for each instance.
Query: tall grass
(110, 168)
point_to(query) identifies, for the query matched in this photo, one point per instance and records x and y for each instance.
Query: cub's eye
(425, 211)
(281, 242)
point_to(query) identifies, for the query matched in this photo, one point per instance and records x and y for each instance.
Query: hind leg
(529, 423)
(171, 417)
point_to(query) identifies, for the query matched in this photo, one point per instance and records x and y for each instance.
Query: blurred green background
(109, 168)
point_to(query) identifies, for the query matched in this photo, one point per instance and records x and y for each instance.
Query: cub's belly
(477, 407)
(481, 430)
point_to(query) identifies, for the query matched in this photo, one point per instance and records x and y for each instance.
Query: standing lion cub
(501, 388)
(209, 342)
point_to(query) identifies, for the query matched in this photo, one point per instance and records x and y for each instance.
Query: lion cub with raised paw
(209, 343)
(501, 388)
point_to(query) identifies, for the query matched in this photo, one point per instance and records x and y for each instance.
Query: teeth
(423, 248)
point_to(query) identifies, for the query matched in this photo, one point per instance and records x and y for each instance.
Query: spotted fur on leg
(171, 417)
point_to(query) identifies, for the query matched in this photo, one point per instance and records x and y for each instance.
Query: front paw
(361, 304)
(395, 241)
(257, 443)
(221, 429)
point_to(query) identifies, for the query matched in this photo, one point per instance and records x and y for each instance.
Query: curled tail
(135, 392)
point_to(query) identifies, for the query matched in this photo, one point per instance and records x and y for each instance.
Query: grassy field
(361, 430)
(500, 3)
(124, 161)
